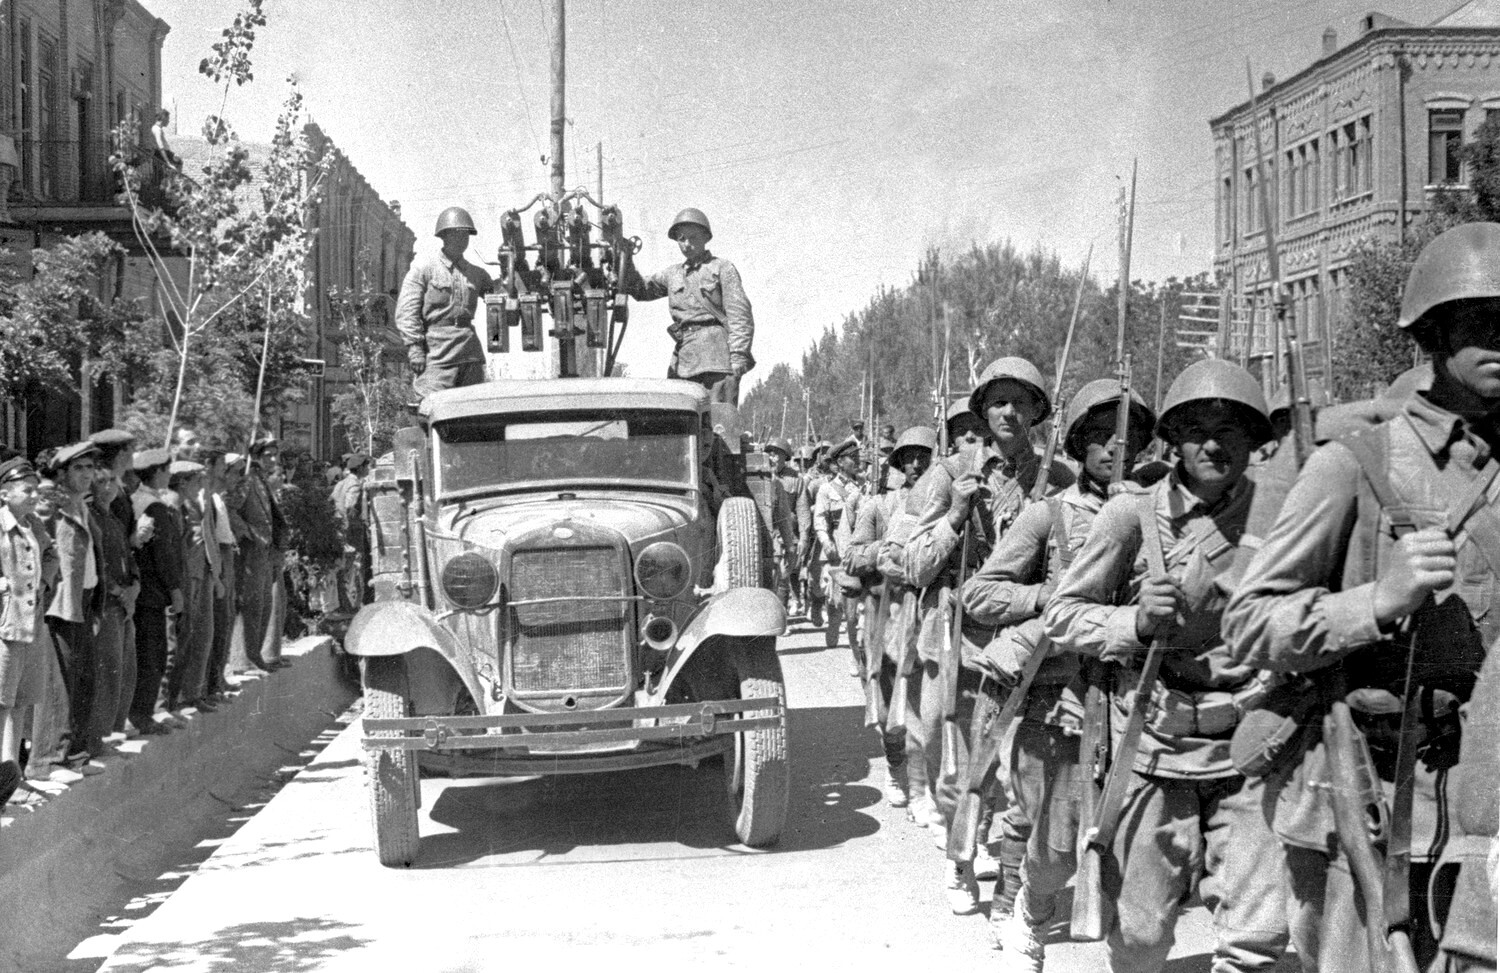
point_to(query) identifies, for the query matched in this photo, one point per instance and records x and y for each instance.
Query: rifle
(988, 728)
(1121, 442)
(1049, 454)
(877, 607)
(1087, 922)
(1303, 439)
(1095, 842)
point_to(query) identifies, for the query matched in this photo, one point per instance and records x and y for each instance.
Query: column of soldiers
(131, 583)
(1268, 686)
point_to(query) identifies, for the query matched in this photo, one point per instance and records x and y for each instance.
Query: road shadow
(286, 947)
(548, 817)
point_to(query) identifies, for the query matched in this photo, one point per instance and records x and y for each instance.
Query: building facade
(1355, 145)
(70, 71)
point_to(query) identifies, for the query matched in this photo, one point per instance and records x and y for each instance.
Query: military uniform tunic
(1306, 605)
(1188, 815)
(435, 313)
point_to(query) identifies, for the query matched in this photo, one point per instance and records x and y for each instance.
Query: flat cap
(848, 446)
(261, 445)
(16, 468)
(184, 467)
(71, 452)
(147, 459)
(111, 437)
(232, 458)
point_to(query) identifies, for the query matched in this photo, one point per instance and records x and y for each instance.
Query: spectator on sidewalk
(261, 552)
(117, 456)
(187, 671)
(226, 593)
(117, 582)
(74, 607)
(28, 565)
(159, 561)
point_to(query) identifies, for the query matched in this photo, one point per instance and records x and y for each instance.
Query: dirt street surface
(630, 869)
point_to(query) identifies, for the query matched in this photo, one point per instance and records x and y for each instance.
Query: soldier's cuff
(1351, 620)
(1120, 641)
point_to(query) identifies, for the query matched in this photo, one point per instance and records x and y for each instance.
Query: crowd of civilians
(136, 585)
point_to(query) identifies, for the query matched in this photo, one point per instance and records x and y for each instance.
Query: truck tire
(393, 773)
(757, 775)
(743, 543)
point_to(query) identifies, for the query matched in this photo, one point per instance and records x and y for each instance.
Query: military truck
(569, 576)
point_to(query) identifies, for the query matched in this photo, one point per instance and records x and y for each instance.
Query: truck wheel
(393, 773)
(756, 772)
(742, 544)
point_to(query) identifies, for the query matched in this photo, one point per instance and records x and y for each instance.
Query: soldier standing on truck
(435, 312)
(711, 319)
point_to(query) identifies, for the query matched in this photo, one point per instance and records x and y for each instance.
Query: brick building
(70, 71)
(1359, 139)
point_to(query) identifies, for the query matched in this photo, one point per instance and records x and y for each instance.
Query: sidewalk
(61, 864)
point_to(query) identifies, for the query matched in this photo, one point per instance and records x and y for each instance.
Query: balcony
(71, 187)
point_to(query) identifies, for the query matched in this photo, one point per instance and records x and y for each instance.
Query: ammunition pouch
(1275, 730)
(1205, 713)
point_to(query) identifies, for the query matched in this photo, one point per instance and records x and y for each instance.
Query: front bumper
(519, 744)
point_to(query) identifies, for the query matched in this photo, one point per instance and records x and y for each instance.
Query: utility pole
(559, 98)
(783, 417)
(599, 168)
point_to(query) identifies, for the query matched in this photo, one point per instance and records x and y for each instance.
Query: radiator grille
(567, 646)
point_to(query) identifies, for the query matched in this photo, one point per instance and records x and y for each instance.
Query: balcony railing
(70, 172)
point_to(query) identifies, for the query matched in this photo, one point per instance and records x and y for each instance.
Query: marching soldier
(810, 552)
(1147, 576)
(911, 457)
(1010, 592)
(1377, 583)
(834, 512)
(789, 483)
(712, 323)
(982, 498)
(435, 312)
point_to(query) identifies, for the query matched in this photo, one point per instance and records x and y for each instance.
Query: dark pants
(151, 660)
(109, 670)
(224, 608)
(73, 642)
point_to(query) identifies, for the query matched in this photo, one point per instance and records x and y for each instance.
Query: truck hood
(639, 519)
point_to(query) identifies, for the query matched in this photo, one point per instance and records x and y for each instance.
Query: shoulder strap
(1145, 508)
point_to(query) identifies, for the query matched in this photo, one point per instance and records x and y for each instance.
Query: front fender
(736, 613)
(398, 627)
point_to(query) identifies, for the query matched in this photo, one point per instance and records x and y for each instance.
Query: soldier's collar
(1182, 501)
(692, 265)
(1437, 427)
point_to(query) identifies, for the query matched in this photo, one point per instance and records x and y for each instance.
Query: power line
(515, 61)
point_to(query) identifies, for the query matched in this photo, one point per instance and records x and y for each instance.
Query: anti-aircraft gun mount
(573, 271)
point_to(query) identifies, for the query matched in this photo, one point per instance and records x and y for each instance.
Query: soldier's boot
(817, 612)
(835, 625)
(1021, 937)
(895, 785)
(961, 887)
(986, 865)
(923, 810)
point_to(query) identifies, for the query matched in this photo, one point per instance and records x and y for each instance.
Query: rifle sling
(1122, 762)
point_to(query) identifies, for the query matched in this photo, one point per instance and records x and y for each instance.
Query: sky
(830, 142)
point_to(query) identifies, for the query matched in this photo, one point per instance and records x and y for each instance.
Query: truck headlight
(663, 570)
(470, 580)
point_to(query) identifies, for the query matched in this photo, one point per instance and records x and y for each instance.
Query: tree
(244, 242)
(374, 406)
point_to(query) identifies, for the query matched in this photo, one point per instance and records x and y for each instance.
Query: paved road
(632, 868)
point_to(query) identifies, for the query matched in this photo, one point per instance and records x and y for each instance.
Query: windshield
(637, 445)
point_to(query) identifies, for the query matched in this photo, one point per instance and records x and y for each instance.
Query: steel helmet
(454, 218)
(958, 407)
(693, 216)
(917, 437)
(781, 446)
(1214, 378)
(1461, 263)
(1015, 369)
(1102, 393)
